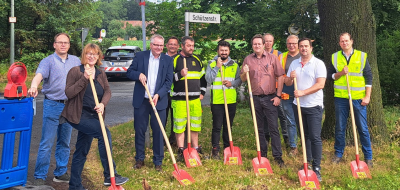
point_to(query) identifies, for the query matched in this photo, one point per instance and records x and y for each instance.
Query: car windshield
(120, 53)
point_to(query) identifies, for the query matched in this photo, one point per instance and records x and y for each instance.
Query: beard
(223, 58)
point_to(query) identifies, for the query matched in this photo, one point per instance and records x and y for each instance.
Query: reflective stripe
(219, 87)
(196, 74)
(195, 125)
(203, 89)
(195, 118)
(362, 61)
(351, 88)
(179, 127)
(183, 93)
(179, 119)
(356, 74)
(218, 79)
(335, 61)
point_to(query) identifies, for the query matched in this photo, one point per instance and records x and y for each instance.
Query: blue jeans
(290, 121)
(87, 130)
(50, 130)
(312, 125)
(360, 115)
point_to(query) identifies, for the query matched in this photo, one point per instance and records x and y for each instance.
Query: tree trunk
(356, 18)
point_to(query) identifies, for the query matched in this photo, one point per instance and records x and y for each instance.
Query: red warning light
(16, 87)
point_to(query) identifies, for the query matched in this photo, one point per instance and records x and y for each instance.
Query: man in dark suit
(154, 69)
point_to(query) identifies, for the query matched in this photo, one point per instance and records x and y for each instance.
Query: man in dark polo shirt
(263, 69)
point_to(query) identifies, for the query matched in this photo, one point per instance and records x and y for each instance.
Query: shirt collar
(263, 54)
(59, 58)
(152, 56)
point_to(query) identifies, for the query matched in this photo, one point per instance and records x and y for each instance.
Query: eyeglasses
(92, 55)
(62, 43)
(173, 44)
(158, 45)
(291, 44)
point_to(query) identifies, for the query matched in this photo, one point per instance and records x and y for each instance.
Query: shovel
(181, 175)
(232, 154)
(190, 154)
(261, 165)
(358, 168)
(307, 178)
(103, 130)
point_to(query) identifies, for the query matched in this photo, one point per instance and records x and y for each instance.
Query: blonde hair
(94, 49)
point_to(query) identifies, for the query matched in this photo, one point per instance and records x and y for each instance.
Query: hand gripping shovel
(232, 154)
(181, 175)
(358, 168)
(307, 178)
(261, 165)
(103, 130)
(190, 154)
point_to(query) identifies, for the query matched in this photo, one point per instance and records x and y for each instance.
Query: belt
(263, 95)
(59, 101)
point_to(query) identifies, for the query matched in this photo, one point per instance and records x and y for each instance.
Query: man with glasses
(172, 49)
(288, 91)
(153, 69)
(53, 71)
(263, 69)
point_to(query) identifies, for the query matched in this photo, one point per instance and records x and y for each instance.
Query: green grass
(132, 43)
(215, 175)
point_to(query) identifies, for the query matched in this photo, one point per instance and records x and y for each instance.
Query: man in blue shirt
(53, 71)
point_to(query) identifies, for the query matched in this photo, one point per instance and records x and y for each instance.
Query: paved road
(119, 110)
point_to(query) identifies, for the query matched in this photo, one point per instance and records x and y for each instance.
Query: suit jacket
(139, 65)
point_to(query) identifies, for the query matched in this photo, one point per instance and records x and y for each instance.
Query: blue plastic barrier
(15, 117)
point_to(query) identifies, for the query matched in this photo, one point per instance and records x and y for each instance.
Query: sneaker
(158, 168)
(309, 167)
(369, 163)
(336, 159)
(199, 150)
(317, 171)
(179, 157)
(39, 182)
(279, 161)
(62, 179)
(215, 153)
(119, 180)
(293, 151)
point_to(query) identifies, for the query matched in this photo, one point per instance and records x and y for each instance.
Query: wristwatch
(278, 96)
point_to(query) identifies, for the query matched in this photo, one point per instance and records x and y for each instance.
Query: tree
(355, 17)
(115, 29)
(133, 31)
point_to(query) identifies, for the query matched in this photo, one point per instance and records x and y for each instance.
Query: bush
(32, 60)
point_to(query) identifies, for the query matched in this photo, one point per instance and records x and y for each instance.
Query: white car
(117, 60)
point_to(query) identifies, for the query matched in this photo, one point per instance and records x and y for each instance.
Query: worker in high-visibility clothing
(231, 73)
(354, 63)
(197, 86)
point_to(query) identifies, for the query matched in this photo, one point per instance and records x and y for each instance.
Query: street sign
(202, 17)
(12, 19)
(103, 33)
(100, 40)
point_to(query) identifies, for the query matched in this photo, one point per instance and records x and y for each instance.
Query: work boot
(158, 168)
(179, 157)
(317, 171)
(139, 164)
(199, 150)
(336, 159)
(369, 163)
(215, 153)
(293, 151)
(279, 161)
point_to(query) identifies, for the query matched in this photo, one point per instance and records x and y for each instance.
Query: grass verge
(215, 175)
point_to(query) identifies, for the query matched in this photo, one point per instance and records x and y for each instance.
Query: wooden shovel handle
(353, 123)
(187, 104)
(303, 142)
(228, 122)
(253, 112)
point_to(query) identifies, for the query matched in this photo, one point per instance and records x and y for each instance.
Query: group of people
(69, 101)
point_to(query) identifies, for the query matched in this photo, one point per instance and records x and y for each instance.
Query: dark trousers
(172, 138)
(312, 119)
(264, 107)
(87, 130)
(141, 121)
(282, 121)
(219, 120)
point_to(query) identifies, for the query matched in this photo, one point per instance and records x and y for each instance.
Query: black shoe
(199, 150)
(279, 161)
(215, 153)
(317, 171)
(159, 168)
(286, 140)
(336, 159)
(179, 157)
(309, 167)
(62, 178)
(119, 180)
(369, 163)
(139, 164)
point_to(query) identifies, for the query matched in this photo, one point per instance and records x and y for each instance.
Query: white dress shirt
(152, 74)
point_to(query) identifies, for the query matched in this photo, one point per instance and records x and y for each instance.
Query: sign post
(200, 17)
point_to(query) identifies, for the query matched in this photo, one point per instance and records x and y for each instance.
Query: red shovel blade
(361, 170)
(113, 186)
(232, 157)
(309, 181)
(262, 166)
(183, 177)
(192, 158)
